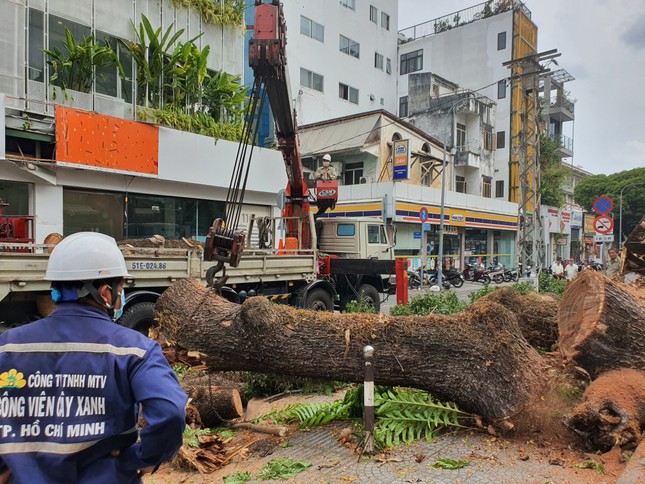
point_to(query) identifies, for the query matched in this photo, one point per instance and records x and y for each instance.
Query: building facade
(477, 229)
(79, 160)
(342, 57)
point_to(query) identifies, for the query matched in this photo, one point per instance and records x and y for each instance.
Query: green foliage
(315, 414)
(264, 384)
(74, 66)
(223, 433)
(282, 468)
(450, 464)
(553, 174)
(224, 97)
(406, 414)
(480, 293)
(546, 283)
(191, 436)
(181, 370)
(591, 187)
(430, 303)
(359, 307)
(156, 55)
(198, 123)
(523, 287)
(592, 464)
(229, 13)
(238, 478)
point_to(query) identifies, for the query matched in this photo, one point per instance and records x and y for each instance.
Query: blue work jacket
(70, 389)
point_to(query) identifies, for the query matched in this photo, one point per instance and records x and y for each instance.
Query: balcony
(467, 158)
(565, 150)
(562, 109)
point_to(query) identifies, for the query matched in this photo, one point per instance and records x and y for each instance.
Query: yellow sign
(588, 223)
(458, 219)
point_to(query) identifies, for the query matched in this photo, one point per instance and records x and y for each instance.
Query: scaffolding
(526, 73)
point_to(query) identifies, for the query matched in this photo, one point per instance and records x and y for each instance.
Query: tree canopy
(553, 174)
(632, 184)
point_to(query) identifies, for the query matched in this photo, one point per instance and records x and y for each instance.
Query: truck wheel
(319, 300)
(139, 317)
(369, 296)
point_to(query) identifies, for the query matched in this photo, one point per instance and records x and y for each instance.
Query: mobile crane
(267, 58)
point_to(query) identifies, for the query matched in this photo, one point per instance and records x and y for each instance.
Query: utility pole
(525, 153)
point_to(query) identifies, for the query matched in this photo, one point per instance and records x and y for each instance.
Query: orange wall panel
(100, 141)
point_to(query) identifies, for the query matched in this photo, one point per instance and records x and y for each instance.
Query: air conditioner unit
(364, 179)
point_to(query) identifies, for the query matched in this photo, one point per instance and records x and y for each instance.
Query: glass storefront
(476, 247)
(139, 215)
(16, 195)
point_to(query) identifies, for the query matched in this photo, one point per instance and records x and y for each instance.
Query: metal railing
(564, 141)
(563, 102)
(461, 17)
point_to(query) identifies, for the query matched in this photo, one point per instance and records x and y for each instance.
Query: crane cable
(241, 168)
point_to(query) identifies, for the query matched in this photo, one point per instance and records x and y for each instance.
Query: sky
(602, 43)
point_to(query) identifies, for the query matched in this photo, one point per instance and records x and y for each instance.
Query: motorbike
(475, 273)
(429, 279)
(511, 275)
(496, 273)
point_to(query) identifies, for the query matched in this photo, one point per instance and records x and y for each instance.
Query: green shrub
(546, 283)
(480, 293)
(359, 307)
(430, 303)
(523, 287)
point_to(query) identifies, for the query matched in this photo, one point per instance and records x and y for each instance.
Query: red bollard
(401, 281)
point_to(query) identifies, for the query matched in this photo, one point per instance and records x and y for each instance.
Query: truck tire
(139, 317)
(370, 296)
(319, 300)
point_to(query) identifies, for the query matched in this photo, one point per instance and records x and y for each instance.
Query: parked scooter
(476, 273)
(511, 275)
(496, 273)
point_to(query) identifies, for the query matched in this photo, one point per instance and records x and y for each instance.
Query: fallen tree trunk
(477, 359)
(536, 314)
(612, 411)
(634, 250)
(601, 324)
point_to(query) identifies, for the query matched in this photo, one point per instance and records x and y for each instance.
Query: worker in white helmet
(91, 377)
(326, 171)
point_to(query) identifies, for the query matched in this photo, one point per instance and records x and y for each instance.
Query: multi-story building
(78, 159)
(341, 57)
(366, 151)
(470, 48)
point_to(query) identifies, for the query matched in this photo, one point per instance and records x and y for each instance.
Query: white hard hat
(327, 157)
(86, 256)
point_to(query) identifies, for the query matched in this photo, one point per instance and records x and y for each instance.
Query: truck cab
(354, 238)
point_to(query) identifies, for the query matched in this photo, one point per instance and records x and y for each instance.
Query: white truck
(353, 260)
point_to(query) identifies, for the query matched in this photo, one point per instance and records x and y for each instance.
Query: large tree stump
(612, 411)
(536, 314)
(634, 250)
(215, 399)
(477, 359)
(601, 324)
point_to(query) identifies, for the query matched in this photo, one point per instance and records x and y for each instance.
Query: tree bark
(215, 400)
(634, 250)
(612, 411)
(601, 324)
(536, 314)
(477, 359)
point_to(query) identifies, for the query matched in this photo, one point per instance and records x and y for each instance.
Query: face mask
(56, 295)
(119, 312)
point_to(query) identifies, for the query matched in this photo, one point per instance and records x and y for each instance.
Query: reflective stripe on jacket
(70, 389)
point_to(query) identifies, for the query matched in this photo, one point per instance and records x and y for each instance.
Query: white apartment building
(468, 48)
(341, 57)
